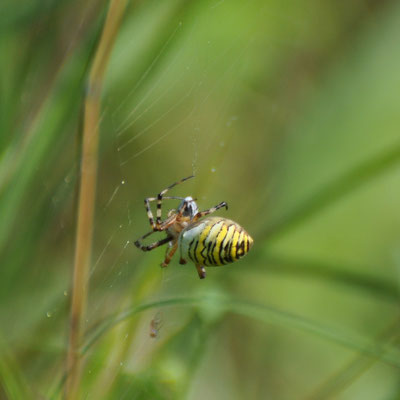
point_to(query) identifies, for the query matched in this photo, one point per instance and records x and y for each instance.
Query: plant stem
(87, 196)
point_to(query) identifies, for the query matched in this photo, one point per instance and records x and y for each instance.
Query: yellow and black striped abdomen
(214, 241)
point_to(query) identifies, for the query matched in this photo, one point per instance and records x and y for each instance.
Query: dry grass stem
(87, 195)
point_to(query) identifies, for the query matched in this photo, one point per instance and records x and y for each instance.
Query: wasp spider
(212, 241)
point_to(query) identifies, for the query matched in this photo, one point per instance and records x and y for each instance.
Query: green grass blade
(267, 314)
(334, 191)
(324, 271)
(11, 377)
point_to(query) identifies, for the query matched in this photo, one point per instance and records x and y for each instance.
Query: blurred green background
(289, 112)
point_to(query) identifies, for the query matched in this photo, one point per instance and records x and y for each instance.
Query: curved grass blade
(267, 314)
(12, 380)
(338, 274)
(335, 190)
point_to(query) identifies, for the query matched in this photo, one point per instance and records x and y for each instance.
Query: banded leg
(160, 196)
(171, 220)
(151, 246)
(150, 214)
(169, 255)
(201, 271)
(210, 211)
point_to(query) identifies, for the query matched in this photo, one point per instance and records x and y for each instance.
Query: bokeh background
(288, 111)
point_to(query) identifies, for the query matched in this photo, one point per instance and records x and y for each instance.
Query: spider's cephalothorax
(189, 207)
(212, 241)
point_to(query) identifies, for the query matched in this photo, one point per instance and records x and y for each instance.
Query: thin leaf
(268, 314)
(334, 191)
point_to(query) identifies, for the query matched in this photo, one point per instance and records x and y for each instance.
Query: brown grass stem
(87, 195)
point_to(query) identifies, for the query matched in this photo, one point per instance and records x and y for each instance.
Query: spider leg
(158, 225)
(201, 271)
(150, 216)
(149, 213)
(151, 246)
(169, 255)
(210, 211)
(161, 195)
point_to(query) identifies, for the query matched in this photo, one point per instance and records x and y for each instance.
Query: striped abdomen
(214, 241)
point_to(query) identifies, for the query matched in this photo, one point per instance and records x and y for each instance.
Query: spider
(212, 241)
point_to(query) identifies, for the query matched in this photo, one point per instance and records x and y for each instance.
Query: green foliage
(287, 112)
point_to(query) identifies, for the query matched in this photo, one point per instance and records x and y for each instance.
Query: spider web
(153, 133)
(138, 141)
